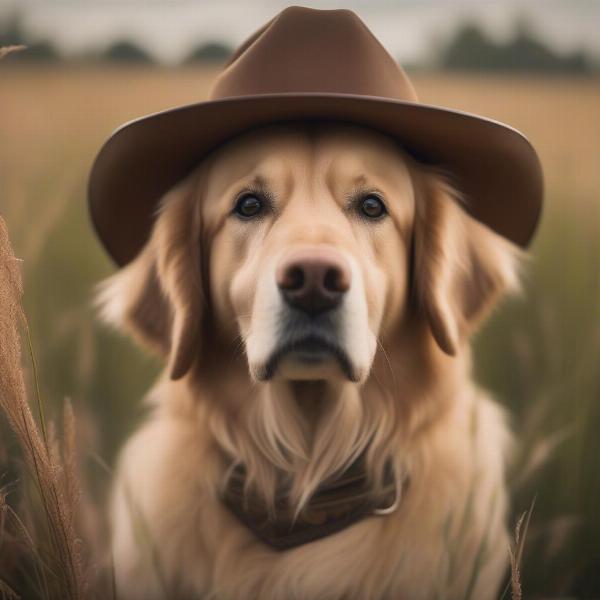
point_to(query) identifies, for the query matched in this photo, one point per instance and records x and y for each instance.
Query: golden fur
(199, 293)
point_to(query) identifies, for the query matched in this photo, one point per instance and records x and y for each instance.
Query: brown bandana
(335, 505)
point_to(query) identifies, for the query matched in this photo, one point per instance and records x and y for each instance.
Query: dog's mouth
(308, 352)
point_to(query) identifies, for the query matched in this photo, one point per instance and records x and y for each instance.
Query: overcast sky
(408, 28)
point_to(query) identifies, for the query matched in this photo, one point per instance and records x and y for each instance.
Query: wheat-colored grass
(6, 50)
(49, 465)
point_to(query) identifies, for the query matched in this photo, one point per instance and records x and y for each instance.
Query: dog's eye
(248, 206)
(372, 207)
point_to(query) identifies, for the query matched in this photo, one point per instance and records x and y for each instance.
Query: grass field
(540, 354)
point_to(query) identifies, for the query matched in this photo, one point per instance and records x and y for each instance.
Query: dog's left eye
(372, 207)
(248, 206)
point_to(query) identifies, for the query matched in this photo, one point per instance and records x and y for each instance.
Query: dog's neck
(287, 448)
(308, 431)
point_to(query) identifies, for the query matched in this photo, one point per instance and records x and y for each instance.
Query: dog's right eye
(248, 206)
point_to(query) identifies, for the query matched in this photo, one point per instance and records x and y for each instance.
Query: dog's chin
(303, 367)
(310, 359)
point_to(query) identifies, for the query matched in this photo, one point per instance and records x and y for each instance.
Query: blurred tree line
(13, 32)
(471, 49)
(468, 48)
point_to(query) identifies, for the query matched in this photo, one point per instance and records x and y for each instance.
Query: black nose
(314, 281)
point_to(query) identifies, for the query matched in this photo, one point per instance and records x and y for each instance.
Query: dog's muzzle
(313, 283)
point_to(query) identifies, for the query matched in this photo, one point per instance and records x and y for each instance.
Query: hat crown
(306, 50)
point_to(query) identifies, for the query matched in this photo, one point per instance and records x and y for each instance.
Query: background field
(540, 354)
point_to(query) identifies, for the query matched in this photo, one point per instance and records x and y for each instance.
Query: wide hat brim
(494, 166)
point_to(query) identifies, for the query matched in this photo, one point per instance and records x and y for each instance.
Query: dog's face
(313, 245)
(310, 236)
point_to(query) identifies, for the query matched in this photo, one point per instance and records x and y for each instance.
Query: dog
(313, 289)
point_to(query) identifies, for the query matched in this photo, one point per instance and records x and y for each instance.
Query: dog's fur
(202, 293)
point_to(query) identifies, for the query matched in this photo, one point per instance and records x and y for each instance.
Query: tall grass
(6, 50)
(57, 562)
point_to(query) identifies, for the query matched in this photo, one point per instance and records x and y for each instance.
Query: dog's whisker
(388, 363)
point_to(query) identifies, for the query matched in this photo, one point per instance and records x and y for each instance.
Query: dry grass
(6, 50)
(50, 465)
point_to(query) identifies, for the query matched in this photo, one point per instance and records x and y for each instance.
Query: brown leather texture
(312, 65)
(336, 505)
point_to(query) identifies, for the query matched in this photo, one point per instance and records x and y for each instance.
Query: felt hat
(306, 65)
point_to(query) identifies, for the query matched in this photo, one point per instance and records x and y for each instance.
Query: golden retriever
(313, 289)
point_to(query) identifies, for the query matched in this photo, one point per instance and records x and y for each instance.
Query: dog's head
(314, 245)
(313, 263)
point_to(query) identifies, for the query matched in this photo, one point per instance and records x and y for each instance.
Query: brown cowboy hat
(311, 64)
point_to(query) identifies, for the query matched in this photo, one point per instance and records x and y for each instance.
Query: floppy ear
(158, 298)
(461, 267)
